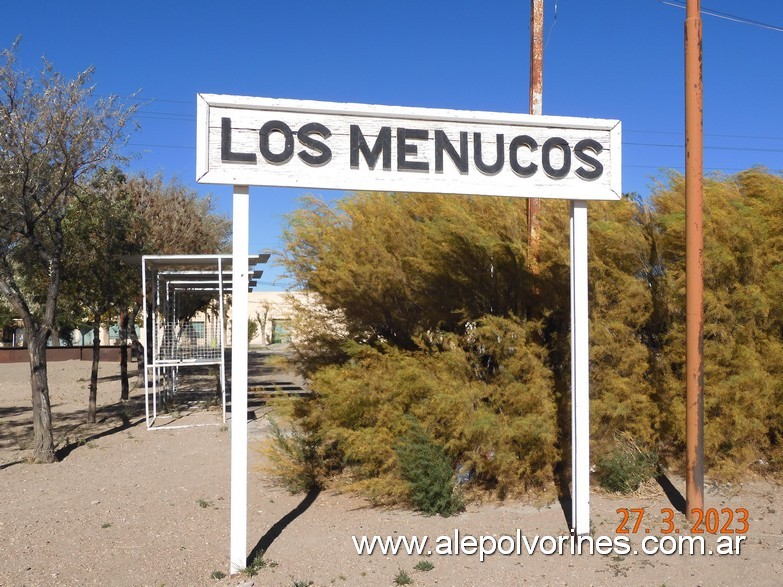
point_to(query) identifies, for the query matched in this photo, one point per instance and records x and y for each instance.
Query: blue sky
(619, 59)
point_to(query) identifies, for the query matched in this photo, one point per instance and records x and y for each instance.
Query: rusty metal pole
(536, 107)
(694, 248)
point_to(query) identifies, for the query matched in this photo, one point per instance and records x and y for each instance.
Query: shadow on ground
(672, 493)
(71, 429)
(277, 529)
(67, 449)
(198, 390)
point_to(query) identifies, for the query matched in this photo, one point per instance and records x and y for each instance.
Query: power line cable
(551, 28)
(174, 114)
(682, 167)
(723, 136)
(191, 147)
(155, 115)
(725, 16)
(188, 117)
(151, 100)
(754, 149)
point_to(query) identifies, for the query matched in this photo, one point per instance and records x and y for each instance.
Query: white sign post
(244, 141)
(239, 350)
(580, 374)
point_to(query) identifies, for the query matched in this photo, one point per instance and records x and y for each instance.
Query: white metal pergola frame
(173, 275)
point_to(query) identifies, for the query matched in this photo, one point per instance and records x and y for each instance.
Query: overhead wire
(674, 3)
(187, 117)
(725, 16)
(551, 28)
(754, 149)
(172, 116)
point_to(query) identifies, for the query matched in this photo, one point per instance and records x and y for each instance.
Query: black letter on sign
(442, 143)
(325, 153)
(226, 154)
(404, 148)
(483, 167)
(556, 143)
(513, 151)
(288, 149)
(382, 145)
(579, 152)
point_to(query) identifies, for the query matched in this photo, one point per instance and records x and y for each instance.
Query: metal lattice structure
(184, 312)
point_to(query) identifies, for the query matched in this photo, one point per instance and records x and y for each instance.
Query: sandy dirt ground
(127, 506)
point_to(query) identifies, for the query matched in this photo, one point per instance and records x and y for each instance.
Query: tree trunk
(43, 439)
(263, 322)
(123, 325)
(137, 346)
(96, 359)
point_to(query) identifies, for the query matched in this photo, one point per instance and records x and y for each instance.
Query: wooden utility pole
(536, 103)
(580, 379)
(694, 248)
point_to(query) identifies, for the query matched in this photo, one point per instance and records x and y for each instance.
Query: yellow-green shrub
(489, 405)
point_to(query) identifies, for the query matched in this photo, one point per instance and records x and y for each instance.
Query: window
(281, 331)
(199, 331)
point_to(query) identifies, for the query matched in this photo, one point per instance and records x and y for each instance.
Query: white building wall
(265, 308)
(268, 309)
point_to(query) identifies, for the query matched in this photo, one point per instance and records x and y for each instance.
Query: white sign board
(324, 145)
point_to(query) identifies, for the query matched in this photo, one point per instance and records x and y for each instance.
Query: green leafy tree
(7, 321)
(117, 218)
(96, 238)
(167, 218)
(170, 218)
(252, 329)
(54, 135)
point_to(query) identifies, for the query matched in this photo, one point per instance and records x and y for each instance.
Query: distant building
(271, 311)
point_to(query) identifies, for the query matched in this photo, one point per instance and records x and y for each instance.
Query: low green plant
(258, 563)
(125, 413)
(424, 565)
(212, 400)
(626, 467)
(252, 329)
(106, 525)
(403, 578)
(217, 575)
(168, 404)
(295, 454)
(251, 570)
(297, 583)
(204, 503)
(428, 470)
